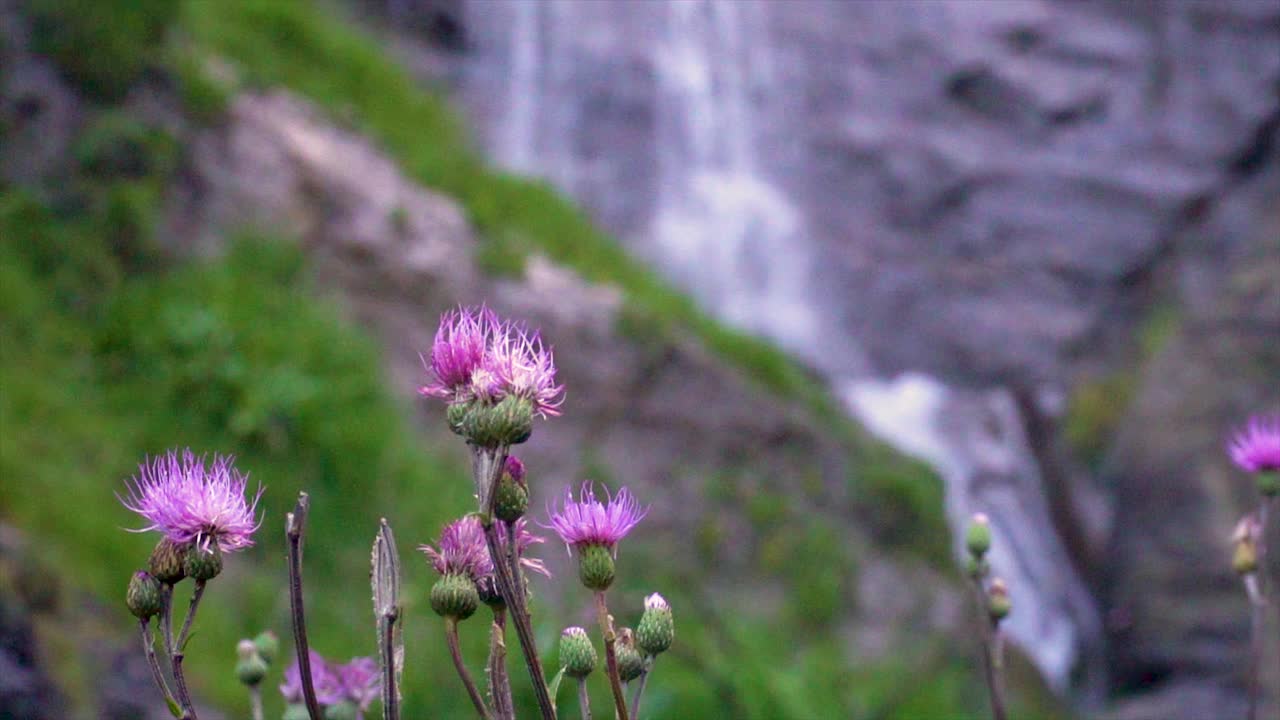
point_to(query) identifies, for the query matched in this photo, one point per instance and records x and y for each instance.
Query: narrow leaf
(385, 579)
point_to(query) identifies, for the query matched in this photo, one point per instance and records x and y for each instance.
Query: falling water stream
(676, 124)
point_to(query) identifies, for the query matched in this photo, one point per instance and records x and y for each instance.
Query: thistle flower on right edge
(1255, 448)
(593, 529)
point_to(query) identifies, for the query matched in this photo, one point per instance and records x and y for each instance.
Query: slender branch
(1257, 622)
(149, 646)
(191, 616)
(294, 523)
(255, 701)
(584, 699)
(499, 681)
(638, 693)
(610, 657)
(515, 602)
(451, 634)
(391, 696)
(486, 465)
(180, 681)
(989, 669)
(166, 617)
(178, 654)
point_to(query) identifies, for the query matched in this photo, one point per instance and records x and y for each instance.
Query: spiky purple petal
(1256, 447)
(587, 521)
(191, 500)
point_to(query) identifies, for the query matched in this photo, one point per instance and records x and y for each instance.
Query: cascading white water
(672, 122)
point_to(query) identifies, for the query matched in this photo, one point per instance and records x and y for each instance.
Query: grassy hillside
(108, 352)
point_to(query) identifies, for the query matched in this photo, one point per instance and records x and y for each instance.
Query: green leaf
(174, 709)
(553, 687)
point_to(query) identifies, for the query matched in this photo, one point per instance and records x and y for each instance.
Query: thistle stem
(584, 699)
(255, 701)
(390, 696)
(451, 634)
(196, 595)
(1257, 621)
(638, 693)
(610, 658)
(499, 681)
(149, 647)
(293, 526)
(180, 681)
(166, 617)
(990, 664)
(177, 652)
(486, 467)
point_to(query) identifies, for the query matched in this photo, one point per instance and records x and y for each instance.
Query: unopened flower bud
(250, 668)
(656, 629)
(1268, 482)
(342, 710)
(456, 415)
(975, 568)
(296, 711)
(454, 596)
(630, 661)
(978, 536)
(509, 422)
(577, 654)
(203, 564)
(998, 604)
(144, 597)
(166, 562)
(268, 646)
(595, 566)
(512, 498)
(1244, 559)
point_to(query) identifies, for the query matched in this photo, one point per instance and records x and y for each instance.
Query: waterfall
(680, 125)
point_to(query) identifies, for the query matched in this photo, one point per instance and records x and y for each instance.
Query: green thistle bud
(577, 654)
(344, 710)
(203, 564)
(268, 646)
(512, 499)
(1268, 482)
(978, 536)
(975, 568)
(509, 422)
(250, 668)
(656, 629)
(456, 415)
(166, 562)
(454, 596)
(595, 566)
(998, 604)
(296, 711)
(630, 661)
(144, 597)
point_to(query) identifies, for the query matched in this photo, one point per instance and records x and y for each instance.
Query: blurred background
(823, 279)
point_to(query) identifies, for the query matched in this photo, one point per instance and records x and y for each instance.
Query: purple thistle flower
(462, 549)
(324, 677)
(458, 350)
(361, 682)
(588, 521)
(478, 356)
(1256, 447)
(190, 501)
(515, 468)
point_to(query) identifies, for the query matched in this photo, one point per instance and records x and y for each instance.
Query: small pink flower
(1256, 447)
(588, 521)
(462, 550)
(458, 350)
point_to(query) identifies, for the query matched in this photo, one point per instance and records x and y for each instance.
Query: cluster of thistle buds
(996, 592)
(495, 378)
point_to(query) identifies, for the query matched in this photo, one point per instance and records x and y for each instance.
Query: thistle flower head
(461, 550)
(361, 682)
(478, 356)
(587, 521)
(190, 500)
(459, 348)
(328, 685)
(1256, 447)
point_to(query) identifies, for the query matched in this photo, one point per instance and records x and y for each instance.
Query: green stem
(455, 651)
(255, 701)
(149, 647)
(499, 681)
(293, 526)
(990, 665)
(611, 658)
(638, 693)
(584, 699)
